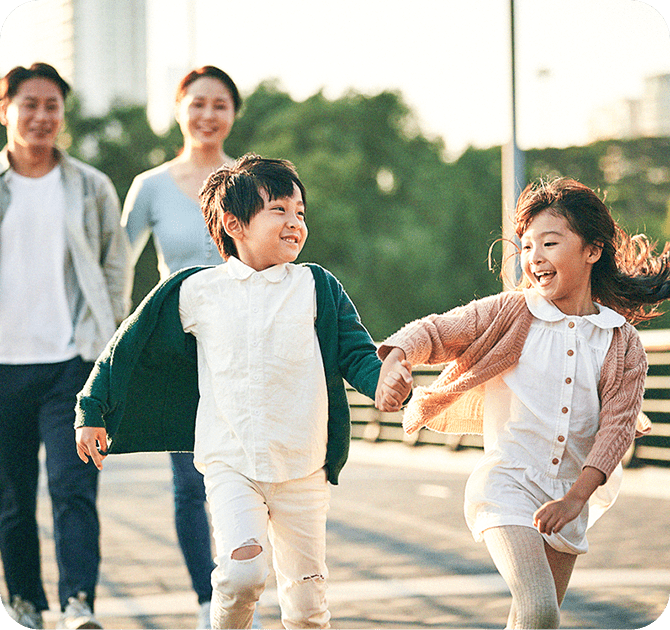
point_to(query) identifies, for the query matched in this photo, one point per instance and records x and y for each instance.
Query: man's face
(34, 116)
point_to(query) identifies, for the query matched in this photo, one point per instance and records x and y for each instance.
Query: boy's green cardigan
(144, 386)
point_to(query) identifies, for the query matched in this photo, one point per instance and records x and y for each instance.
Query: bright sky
(449, 58)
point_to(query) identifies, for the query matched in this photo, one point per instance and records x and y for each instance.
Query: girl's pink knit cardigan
(483, 339)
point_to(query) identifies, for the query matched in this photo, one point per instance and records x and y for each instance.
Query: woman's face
(206, 113)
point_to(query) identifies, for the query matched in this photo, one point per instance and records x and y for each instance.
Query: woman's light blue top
(156, 205)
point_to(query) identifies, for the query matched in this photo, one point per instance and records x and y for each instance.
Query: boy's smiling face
(275, 235)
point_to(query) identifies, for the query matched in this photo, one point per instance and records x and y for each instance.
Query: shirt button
(554, 461)
(571, 324)
(568, 380)
(561, 438)
(570, 352)
(564, 410)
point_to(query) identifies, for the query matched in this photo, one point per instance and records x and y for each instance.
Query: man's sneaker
(24, 613)
(203, 616)
(77, 614)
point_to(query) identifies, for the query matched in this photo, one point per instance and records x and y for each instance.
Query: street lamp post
(513, 178)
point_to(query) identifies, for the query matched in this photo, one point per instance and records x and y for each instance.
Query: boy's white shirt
(263, 406)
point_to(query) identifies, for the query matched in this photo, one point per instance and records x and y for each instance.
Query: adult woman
(164, 202)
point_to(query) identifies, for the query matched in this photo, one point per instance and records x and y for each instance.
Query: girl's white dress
(540, 421)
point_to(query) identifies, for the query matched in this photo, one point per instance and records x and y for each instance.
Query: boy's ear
(232, 225)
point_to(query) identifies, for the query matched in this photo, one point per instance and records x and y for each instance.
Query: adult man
(64, 286)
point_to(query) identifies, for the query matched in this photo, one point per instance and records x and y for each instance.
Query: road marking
(433, 490)
(183, 602)
(649, 481)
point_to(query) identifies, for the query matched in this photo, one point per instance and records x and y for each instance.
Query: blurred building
(648, 116)
(655, 107)
(99, 46)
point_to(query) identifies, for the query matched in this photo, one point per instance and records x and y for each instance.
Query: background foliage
(406, 231)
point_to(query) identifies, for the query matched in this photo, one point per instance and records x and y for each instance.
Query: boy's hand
(89, 440)
(395, 381)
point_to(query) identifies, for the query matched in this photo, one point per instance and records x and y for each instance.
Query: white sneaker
(24, 613)
(203, 616)
(77, 614)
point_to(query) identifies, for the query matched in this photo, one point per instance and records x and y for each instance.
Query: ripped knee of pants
(241, 574)
(248, 551)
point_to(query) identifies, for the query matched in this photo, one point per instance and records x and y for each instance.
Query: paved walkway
(399, 553)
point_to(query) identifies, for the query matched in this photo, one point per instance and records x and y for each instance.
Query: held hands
(395, 382)
(90, 442)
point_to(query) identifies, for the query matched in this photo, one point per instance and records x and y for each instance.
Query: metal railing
(370, 424)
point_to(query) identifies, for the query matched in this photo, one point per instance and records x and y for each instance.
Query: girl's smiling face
(558, 263)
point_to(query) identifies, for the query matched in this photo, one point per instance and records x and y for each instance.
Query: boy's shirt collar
(238, 270)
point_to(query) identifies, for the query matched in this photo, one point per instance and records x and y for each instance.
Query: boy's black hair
(236, 189)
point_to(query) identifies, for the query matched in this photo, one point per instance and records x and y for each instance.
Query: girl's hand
(90, 442)
(554, 515)
(395, 382)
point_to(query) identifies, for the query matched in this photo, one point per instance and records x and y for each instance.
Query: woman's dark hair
(236, 189)
(628, 277)
(213, 73)
(11, 82)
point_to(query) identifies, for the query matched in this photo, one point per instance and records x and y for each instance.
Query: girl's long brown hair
(629, 277)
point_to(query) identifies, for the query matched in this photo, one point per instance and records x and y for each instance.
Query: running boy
(273, 341)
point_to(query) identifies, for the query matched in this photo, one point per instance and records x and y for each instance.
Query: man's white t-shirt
(36, 320)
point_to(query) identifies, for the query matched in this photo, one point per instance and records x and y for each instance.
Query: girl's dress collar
(546, 311)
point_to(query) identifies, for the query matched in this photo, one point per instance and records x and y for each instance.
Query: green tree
(386, 212)
(121, 144)
(406, 231)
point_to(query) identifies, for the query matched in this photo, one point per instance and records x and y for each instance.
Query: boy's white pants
(292, 516)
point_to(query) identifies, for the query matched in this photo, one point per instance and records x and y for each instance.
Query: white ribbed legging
(536, 574)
